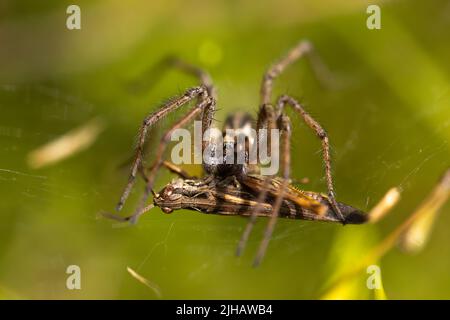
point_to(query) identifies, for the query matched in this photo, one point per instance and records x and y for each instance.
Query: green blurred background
(388, 119)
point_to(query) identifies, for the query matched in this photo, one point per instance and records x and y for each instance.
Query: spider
(238, 189)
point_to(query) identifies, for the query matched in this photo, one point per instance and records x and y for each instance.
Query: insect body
(228, 196)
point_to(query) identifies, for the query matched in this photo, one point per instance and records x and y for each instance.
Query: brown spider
(238, 189)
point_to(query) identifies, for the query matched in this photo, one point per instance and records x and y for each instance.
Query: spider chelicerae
(239, 188)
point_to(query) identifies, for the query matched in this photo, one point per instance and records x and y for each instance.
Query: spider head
(228, 151)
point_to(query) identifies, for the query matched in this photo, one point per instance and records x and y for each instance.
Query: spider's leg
(275, 70)
(131, 218)
(302, 49)
(154, 73)
(150, 120)
(251, 223)
(200, 74)
(208, 102)
(321, 133)
(266, 120)
(285, 129)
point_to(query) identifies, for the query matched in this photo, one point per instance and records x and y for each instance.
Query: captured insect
(238, 188)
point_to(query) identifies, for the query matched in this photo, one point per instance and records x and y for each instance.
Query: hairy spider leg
(157, 71)
(266, 120)
(322, 135)
(149, 121)
(208, 102)
(285, 128)
(300, 50)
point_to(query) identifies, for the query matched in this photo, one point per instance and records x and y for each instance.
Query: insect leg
(133, 217)
(177, 170)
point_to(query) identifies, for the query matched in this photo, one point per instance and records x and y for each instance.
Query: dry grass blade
(66, 145)
(416, 235)
(154, 287)
(418, 222)
(389, 200)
